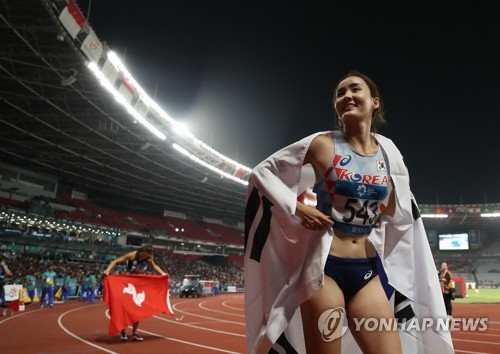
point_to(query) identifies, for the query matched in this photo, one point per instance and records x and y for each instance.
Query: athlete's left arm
(155, 266)
(390, 209)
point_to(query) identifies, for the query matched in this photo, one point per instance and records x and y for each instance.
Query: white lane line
(217, 311)
(59, 321)
(476, 334)
(232, 307)
(206, 317)
(493, 329)
(474, 341)
(19, 315)
(199, 327)
(180, 340)
(189, 343)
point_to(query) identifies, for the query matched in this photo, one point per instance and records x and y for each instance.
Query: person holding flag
(129, 288)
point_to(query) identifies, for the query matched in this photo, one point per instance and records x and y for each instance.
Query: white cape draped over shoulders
(284, 261)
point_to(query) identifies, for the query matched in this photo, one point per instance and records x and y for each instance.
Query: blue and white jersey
(354, 188)
(137, 266)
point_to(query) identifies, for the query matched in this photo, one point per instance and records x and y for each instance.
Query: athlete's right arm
(318, 155)
(312, 218)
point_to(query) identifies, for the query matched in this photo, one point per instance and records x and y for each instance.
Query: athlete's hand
(311, 218)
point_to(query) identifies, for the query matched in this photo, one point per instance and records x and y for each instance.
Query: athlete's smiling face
(353, 99)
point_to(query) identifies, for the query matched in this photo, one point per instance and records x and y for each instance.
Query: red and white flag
(127, 89)
(72, 19)
(131, 298)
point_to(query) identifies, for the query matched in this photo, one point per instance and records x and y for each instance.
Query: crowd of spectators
(66, 263)
(54, 235)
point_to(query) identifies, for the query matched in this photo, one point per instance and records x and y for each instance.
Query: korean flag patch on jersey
(381, 166)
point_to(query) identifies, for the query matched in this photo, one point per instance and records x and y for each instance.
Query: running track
(204, 325)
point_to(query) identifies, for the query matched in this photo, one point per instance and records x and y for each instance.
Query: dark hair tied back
(378, 117)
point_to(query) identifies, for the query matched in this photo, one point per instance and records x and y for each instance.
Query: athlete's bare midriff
(351, 246)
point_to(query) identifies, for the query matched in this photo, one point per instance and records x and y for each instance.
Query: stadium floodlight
(207, 165)
(181, 129)
(490, 215)
(434, 216)
(118, 97)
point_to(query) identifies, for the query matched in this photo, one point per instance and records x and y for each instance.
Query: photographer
(447, 287)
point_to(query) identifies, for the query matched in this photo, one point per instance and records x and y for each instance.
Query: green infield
(480, 296)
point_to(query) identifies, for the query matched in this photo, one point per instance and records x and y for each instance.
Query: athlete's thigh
(329, 297)
(371, 302)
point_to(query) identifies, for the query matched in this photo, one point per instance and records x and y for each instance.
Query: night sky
(251, 77)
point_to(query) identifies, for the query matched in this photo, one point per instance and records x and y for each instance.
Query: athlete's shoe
(123, 336)
(137, 338)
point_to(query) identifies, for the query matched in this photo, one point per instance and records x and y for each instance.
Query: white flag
(92, 47)
(110, 71)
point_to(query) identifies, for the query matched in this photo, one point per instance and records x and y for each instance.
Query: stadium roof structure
(461, 216)
(71, 110)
